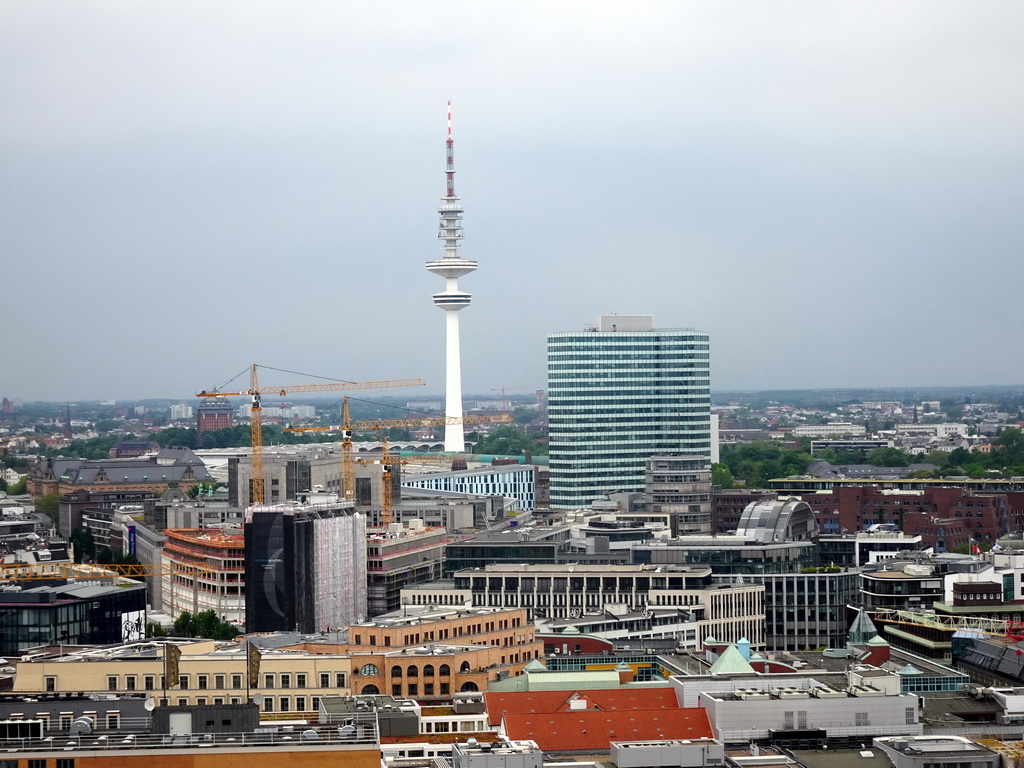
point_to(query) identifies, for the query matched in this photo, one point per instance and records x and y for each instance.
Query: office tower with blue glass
(618, 394)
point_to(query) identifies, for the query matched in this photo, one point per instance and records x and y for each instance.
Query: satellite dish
(150, 704)
(347, 731)
(81, 727)
(257, 698)
(310, 735)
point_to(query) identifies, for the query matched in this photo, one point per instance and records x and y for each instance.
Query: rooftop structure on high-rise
(618, 394)
(451, 267)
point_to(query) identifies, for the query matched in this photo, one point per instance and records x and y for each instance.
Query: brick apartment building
(945, 516)
(727, 507)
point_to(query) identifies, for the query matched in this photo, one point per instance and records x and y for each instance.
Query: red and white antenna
(450, 146)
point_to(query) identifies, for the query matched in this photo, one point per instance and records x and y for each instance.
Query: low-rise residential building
(211, 673)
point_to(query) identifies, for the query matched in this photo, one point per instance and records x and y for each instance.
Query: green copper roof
(731, 662)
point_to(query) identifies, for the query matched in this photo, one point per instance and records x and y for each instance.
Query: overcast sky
(834, 191)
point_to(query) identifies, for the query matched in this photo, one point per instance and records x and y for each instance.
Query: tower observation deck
(451, 267)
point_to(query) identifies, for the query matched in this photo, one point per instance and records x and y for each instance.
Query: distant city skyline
(832, 192)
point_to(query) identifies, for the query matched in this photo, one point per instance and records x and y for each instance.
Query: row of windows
(413, 689)
(215, 682)
(270, 703)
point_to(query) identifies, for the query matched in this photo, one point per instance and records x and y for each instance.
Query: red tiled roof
(546, 702)
(596, 729)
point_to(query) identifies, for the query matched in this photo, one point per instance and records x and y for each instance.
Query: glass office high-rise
(618, 394)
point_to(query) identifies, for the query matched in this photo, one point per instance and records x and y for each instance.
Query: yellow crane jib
(257, 483)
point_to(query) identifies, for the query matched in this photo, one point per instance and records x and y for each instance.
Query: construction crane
(348, 461)
(505, 404)
(932, 620)
(43, 571)
(255, 391)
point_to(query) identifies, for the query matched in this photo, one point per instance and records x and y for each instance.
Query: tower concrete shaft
(451, 267)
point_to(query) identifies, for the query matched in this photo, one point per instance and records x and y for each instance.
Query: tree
(1008, 447)
(721, 476)
(887, 457)
(84, 544)
(176, 436)
(203, 624)
(958, 457)
(524, 415)
(829, 455)
(19, 487)
(49, 505)
(939, 458)
(107, 556)
(508, 440)
(754, 464)
(184, 626)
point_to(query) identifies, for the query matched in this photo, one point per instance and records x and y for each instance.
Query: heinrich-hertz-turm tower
(451, 267)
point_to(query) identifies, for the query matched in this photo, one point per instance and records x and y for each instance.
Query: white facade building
(832, 428)
(181, 411)
(728, 612)
(749, 709)
(618, 394)
(511, 481)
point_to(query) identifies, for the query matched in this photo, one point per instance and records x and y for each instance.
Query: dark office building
(71, 614)
(305, 567)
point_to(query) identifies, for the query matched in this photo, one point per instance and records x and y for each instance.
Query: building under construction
(305, 567)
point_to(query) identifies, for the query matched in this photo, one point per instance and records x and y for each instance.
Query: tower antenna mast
(450, 147)
(451, 267)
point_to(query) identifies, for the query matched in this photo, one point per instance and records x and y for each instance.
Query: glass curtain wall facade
(619, 394)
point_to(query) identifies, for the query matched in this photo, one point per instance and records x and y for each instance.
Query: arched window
(469, 686)
(370, 689)
(412, 671)
(396, 671)
(464, 668)
(444, 670)
(369, 670)
(428, 670)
